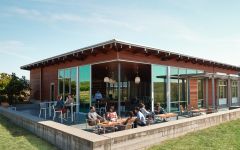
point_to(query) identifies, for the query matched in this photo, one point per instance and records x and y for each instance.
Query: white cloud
(14, 48)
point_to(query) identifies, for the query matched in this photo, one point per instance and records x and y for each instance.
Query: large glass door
(234, 92)
(222, 93)
(84, 87)
(159, 83)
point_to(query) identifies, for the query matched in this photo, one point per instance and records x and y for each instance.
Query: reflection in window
(178, 85)
(174, 71)
(159, 74)
(222, 89)
(73, 81)
(234, 89)
(191, 71)
(67, 82)
(200, 93)
(174, 90)
(60, 81)
(84, 85)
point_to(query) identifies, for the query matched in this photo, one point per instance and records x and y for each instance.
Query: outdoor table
(167, 115)
(197, 111)
(71, 105)
(110, 124)
(49, 106)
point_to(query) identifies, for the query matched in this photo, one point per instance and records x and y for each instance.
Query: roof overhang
(117, 45)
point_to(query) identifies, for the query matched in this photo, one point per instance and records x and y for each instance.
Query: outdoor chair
(6, 105)
(183, 112)
(94, 127)
(103, 109)
(125, 127)
(57, 111)
(43, 107)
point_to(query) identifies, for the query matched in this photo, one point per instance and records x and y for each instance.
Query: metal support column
(238, 90)
(168, 90)
(40, 96)
(152, 90)
(206, 98)
(90, 90)
(77, 90)
(213, 92)
(119, 93)
(229, 89)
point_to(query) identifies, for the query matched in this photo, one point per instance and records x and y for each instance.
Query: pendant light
(106, 79)
(137, 78)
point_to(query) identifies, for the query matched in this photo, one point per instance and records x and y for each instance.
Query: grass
(13, 137)
(221, 137)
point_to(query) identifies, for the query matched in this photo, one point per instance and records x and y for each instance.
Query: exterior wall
(193, 92)
(35, 76)
(49, 75)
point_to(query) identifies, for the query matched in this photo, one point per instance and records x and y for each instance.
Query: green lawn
(222, 137)
(13, 137)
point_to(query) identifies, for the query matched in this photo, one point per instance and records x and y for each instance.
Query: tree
(4, 80)
(13, 86)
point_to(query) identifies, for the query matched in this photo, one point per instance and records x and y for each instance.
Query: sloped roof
(118, 46)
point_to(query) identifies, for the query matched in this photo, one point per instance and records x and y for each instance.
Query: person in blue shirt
(140, 120)
(60, 104)
(98, 96)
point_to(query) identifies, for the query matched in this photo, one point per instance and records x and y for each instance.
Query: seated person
(130, 118)
(140, 120)
(147, 114)
(112, 115)
(93, 117)
(159, 110)
(60, 104)
(68, 101)
(143, 110)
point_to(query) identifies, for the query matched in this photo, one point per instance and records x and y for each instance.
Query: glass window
(191, 71)
(60, 81)
(174, 90)
(200, 93)
(159, 74)
(73, 81)
(173, 71)
(182, 71)
(200, 71)
(234, 89)
(84, 85)
(222, 89)
(67, 82)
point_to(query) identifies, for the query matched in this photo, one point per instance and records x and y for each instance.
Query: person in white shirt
(140, 120)
(143, 110)
(93, 117)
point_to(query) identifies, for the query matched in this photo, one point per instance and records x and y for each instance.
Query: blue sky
(31, 30)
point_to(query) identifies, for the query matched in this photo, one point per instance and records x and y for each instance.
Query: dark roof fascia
(26, 67)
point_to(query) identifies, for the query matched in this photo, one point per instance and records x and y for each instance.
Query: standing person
(93, 117)
(140, 120)
(98, 97)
